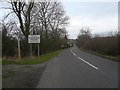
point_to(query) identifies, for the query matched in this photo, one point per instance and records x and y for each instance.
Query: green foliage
(28, 61)
(9, 44)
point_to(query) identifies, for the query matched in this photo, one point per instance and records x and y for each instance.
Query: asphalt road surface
(76, 69)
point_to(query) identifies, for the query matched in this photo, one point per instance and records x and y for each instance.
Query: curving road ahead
(76, 69)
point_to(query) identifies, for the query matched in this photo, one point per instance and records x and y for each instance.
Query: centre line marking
(84, 61)
(73, 53)
(88, 63)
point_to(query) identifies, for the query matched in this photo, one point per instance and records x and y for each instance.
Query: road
(76, 69)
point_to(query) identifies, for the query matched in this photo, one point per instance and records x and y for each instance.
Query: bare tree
(23, 12)
(45, 18)
(49, 20)
(50, 16)
(84, 36)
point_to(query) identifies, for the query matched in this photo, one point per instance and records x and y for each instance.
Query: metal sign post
(31, 49)
(38, 50)
(34, 39)
(19, 49)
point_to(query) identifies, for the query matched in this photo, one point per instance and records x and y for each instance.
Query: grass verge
(0, 62)
(115, 58)
(41, 59)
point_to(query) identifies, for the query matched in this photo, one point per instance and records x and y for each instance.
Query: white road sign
(33, 38)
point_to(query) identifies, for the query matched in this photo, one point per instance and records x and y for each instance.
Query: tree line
(107, 45)
(47, 19)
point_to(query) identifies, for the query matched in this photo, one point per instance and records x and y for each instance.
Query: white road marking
(88, 63)
(84, 60)
(73, 53)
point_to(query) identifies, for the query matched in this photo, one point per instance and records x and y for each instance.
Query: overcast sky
(101, 17)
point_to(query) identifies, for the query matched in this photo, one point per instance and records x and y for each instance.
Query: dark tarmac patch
(21, 76)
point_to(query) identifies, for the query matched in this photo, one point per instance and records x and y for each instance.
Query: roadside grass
(30, 61)
(114, 58)
(0, 62)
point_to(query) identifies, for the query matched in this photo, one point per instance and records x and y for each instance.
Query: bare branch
(8, 15)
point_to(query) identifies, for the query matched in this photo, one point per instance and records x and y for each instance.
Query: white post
(19, 49)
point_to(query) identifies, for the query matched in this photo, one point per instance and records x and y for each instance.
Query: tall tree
(84, 36)
(49, 20)
(23, 12)
(45, 18)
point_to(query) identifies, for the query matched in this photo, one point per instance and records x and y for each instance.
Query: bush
(9, 45)
(104, 45)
